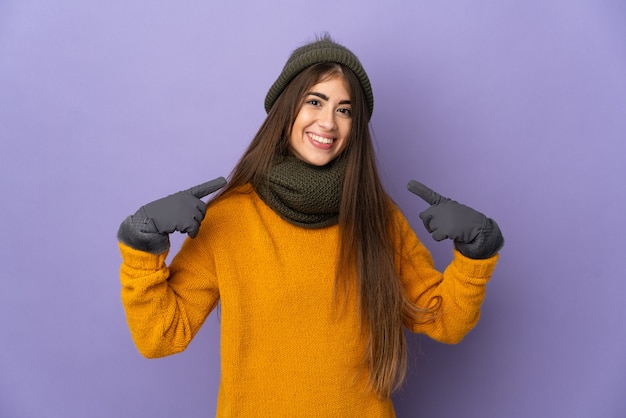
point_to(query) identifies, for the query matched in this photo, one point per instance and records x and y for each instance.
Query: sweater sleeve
(165, 307)
(452, 298)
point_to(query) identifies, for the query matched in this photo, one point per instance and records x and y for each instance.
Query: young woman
(316, 270)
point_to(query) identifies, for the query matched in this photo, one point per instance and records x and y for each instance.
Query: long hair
(365, 258)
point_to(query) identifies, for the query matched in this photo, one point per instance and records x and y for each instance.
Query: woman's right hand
(182, 211)
(149, 227)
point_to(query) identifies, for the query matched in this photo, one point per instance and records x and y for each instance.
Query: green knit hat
(322, 50)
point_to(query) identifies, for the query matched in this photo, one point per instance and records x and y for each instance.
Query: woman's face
(322, 126)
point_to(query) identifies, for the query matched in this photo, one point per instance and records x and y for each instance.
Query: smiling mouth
(321, 139)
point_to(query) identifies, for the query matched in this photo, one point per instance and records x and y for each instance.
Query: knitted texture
(302, 194)
(488, 242)
(134, 231)
(323, 50)
(286, 349)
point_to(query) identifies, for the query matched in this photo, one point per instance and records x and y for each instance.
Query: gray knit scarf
(302, 194)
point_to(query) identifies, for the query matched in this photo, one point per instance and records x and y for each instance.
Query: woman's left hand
(475, 235)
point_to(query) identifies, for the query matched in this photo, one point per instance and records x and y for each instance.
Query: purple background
(516, 108)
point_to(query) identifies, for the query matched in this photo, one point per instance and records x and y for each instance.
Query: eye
(313, 102)
(345, 111)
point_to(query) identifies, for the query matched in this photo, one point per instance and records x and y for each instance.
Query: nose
(327, 117)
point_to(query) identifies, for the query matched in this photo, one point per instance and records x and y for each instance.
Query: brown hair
(366, 254)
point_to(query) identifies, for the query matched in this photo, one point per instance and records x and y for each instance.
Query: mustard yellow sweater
(285, 349)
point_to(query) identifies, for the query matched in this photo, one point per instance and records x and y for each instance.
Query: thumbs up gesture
(148, 228)
(474, 235)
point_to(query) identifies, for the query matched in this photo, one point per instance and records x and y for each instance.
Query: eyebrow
(325, 97)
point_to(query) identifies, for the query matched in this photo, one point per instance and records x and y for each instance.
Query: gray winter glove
(474, 235)
(148, 228)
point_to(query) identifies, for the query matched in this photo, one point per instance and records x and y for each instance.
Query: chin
(319, 162)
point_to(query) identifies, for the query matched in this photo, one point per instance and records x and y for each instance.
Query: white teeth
(321, 139)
